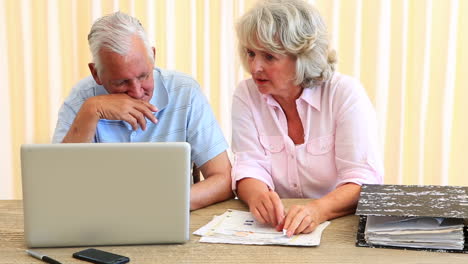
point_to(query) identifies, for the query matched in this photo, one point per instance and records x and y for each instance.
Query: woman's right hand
(267, 208)
(264, 204)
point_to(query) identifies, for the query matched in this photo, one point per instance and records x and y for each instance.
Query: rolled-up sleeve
(250, 160)
(357, 149)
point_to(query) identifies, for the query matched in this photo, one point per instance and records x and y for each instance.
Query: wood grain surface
(337, 246)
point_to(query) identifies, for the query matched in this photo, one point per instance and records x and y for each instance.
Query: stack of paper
(238, 227)
(417, 232)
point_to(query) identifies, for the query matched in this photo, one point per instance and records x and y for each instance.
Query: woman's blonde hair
(291, 27)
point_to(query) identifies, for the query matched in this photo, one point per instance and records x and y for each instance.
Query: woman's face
(273, 73)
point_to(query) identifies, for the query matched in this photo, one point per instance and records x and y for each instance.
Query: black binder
(410, 201)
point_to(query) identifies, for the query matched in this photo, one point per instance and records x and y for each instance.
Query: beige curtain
(412, 58)
(408, 54)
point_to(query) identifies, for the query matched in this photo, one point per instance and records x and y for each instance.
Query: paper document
(238, 227)
(418, 232)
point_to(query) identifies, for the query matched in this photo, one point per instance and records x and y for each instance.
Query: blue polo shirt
(184, 116)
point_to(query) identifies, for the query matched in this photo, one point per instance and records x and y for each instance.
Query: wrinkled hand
(123, 107)
(267, 208)
(301, 219)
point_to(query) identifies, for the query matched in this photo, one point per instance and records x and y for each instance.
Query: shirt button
(295, 186)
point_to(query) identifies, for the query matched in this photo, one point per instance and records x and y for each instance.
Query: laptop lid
(105, 193)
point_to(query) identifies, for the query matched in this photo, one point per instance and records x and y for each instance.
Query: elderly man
(128, 100)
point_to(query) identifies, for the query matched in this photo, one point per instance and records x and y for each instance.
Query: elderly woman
(300, 129)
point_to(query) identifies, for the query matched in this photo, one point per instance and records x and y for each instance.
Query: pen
(42, 257)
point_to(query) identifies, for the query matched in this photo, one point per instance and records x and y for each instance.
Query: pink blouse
(341, 144)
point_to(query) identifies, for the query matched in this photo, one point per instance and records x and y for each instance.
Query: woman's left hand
(302, 219)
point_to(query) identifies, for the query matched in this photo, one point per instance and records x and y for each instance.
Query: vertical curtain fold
(411, 57)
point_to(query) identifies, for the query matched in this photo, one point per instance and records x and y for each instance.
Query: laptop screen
(106, 193)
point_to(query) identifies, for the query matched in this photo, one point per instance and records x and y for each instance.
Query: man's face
(131, 74)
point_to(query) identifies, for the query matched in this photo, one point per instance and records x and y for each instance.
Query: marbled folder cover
(412, 200)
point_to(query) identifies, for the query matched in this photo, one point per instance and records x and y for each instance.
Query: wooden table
(337, 245)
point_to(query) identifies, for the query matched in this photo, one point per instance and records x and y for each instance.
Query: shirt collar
(311, 95)
(100, 90)
(270, 100)
(160, 97)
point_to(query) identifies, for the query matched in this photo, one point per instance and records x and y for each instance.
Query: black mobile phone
(100, 257)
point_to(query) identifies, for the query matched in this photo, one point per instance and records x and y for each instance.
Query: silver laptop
(105, 193)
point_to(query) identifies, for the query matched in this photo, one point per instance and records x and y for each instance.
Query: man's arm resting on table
(217, 184)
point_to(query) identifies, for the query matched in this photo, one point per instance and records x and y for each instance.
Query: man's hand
(112, 107)
(123, 107)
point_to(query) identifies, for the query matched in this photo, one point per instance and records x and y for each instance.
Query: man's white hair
(115, 32)
(292, 27)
